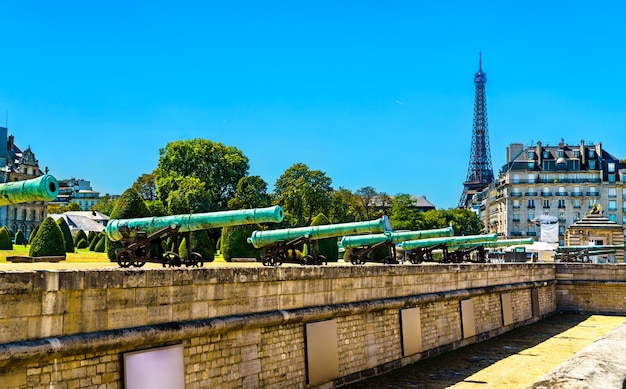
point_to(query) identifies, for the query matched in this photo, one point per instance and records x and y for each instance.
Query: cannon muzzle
(267, 238)
(118, 229)
(393, 237)
(44, 188)
(450, 241)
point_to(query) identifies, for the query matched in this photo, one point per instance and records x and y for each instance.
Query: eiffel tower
(479, 172)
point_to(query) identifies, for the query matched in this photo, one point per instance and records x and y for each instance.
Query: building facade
(563, 181)
(18, 165)
(77, 191)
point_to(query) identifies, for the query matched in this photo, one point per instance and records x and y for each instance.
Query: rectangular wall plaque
(322, 351)
(507, 309)
(156, 368)
(467, 318)
(534, 296)
(411, 331)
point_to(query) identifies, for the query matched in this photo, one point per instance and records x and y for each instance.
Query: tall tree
(105, 205)
(251, 193)
(346, 207)
(218, 166)
(303, 193)
(403, 215)
(367, 195)
(146, 187)
(190, 196)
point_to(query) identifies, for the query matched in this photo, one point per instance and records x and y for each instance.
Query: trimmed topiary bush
(82, 244)
(32, 234)
(20, 238)
(327, 246)
(235, 245)
(101, 245)
(91, 236)
(67, 235)
(200, 243)
(78, 237)
(130, 205)
(5, 239)
(94, 242)
(48, 241)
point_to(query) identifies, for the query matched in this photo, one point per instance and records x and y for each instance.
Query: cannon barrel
(267, 238)
(497, 243)
(43, 188)
(117, 229)
(453, 240)
(393, 237)
(601, 247)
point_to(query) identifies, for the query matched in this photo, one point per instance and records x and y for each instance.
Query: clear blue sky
(372, 93)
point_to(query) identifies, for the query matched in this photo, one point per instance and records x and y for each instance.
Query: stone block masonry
(245, 327)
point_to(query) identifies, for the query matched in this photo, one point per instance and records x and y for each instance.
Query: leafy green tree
(94, 242)
(303, 193)
(73, 206)
(101, 246)
(49, 240)
(20, 238)
(190, 196)
(345, 207)
(130, 205)
(218, 166)
(235, 245)
(463, 221)
(67, 235)
(79, 235)
(251, 192)
(5, 239)
(105, 205)
(404, 216)
(368, 195)
(146, 187)
(327, 246)
(156, 208)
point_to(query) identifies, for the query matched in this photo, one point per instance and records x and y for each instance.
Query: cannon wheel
(171, 259)
(390, 261)
(415, 260)
(307, 260)
(123, 258)
(267, 260)
(356, 259)
(196, 259)
(138, 263)
(321, 260)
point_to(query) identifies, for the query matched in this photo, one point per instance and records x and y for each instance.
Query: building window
(576, 203)
(531, 203)
(515, 216)
(624, 219)
(546, 203)
(531, 178)
(561, 229)
(576, 216)
(592, 202)
(515, 203)
(576, 154)
(516, 178)
(531, 154)
(546, 154)
(560, 153)
(546, 192)
(561, 216)
(612, 192)
(612, 205)
(592, 165)
(561, 203)
(592, 153)
(531, 216)
(612, 217)
(531, 165)
(611, 167)
(624, 206)
(612, 178)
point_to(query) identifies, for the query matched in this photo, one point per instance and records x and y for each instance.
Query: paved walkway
(516, 359)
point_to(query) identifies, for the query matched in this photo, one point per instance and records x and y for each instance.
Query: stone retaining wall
(245, 327)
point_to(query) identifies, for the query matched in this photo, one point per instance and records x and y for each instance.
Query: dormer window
(592, 165)
(576, 154)
(561, 153)
(546, 154)
(531, 154)
(592, 153)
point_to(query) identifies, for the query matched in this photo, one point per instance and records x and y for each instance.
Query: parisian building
(18, 165)
(560, 181)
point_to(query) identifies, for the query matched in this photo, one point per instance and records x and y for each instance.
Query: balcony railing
(553, 180)
(595, 193)
(546, 193)
(531, 233)
(516, 194)
(577, 194)
(560, 194)
(531, 193)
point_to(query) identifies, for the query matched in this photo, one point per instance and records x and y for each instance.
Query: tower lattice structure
(480, 171)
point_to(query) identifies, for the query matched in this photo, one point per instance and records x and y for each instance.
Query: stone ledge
(26, 259)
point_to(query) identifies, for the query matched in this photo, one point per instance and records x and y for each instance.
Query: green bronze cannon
(462, 250)
(363, 248)
(281, 244)
(142, 237)
(585, 253)
(43, 188)
(422, 250)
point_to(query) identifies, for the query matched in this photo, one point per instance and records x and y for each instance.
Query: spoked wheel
(415, 260)
(138, 263)
(267, 260)
(280, 259)
(307, 260)
(390, 261)
(171, 259)
(195, 259)
(123, 258)
(321, 260)
(356, 260)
